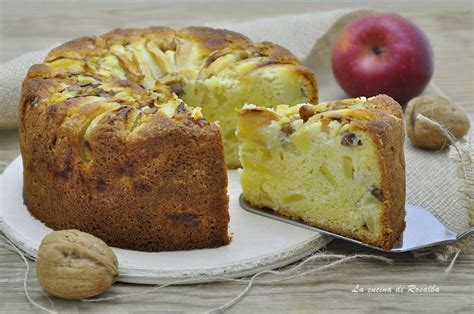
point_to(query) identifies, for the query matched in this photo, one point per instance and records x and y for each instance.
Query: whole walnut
(73, 265)
(424, 133)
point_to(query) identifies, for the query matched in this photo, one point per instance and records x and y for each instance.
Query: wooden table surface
(30, 25)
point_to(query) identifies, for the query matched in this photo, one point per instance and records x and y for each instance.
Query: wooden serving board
(258, 243)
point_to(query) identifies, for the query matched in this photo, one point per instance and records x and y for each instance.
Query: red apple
(382, 53)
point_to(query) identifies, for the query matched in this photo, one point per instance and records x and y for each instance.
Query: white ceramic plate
(258, 243)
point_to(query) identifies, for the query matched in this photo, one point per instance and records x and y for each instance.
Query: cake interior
(224, 92)
(322, 171)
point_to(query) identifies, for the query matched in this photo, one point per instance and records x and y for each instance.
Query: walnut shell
(439, 109)
(73, 265)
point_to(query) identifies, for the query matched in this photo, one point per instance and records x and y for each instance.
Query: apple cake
(114, 142)
(337, 165)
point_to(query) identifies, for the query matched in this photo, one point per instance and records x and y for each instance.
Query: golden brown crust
(75, 49)
(276, 53)
(124, 36)
(313, 85)
(123, 196)
(385, 103)
(387, 132)
(214, 39)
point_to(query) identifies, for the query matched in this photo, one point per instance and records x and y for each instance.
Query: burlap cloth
(440, 181)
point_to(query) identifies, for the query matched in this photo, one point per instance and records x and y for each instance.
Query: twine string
(250, 282)
(465, 165)
(450, 267)
(340, 259)
(10, 245)
(287, 274)
(452, 139)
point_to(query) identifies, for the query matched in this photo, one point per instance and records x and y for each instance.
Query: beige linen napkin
(439, 181)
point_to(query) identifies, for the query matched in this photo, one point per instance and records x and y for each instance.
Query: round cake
(114, 142)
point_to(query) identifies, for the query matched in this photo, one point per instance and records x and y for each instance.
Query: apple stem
(378, 50)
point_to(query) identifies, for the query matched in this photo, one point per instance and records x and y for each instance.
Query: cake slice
(338, 165)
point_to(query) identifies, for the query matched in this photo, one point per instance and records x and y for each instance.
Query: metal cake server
(422, 228)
